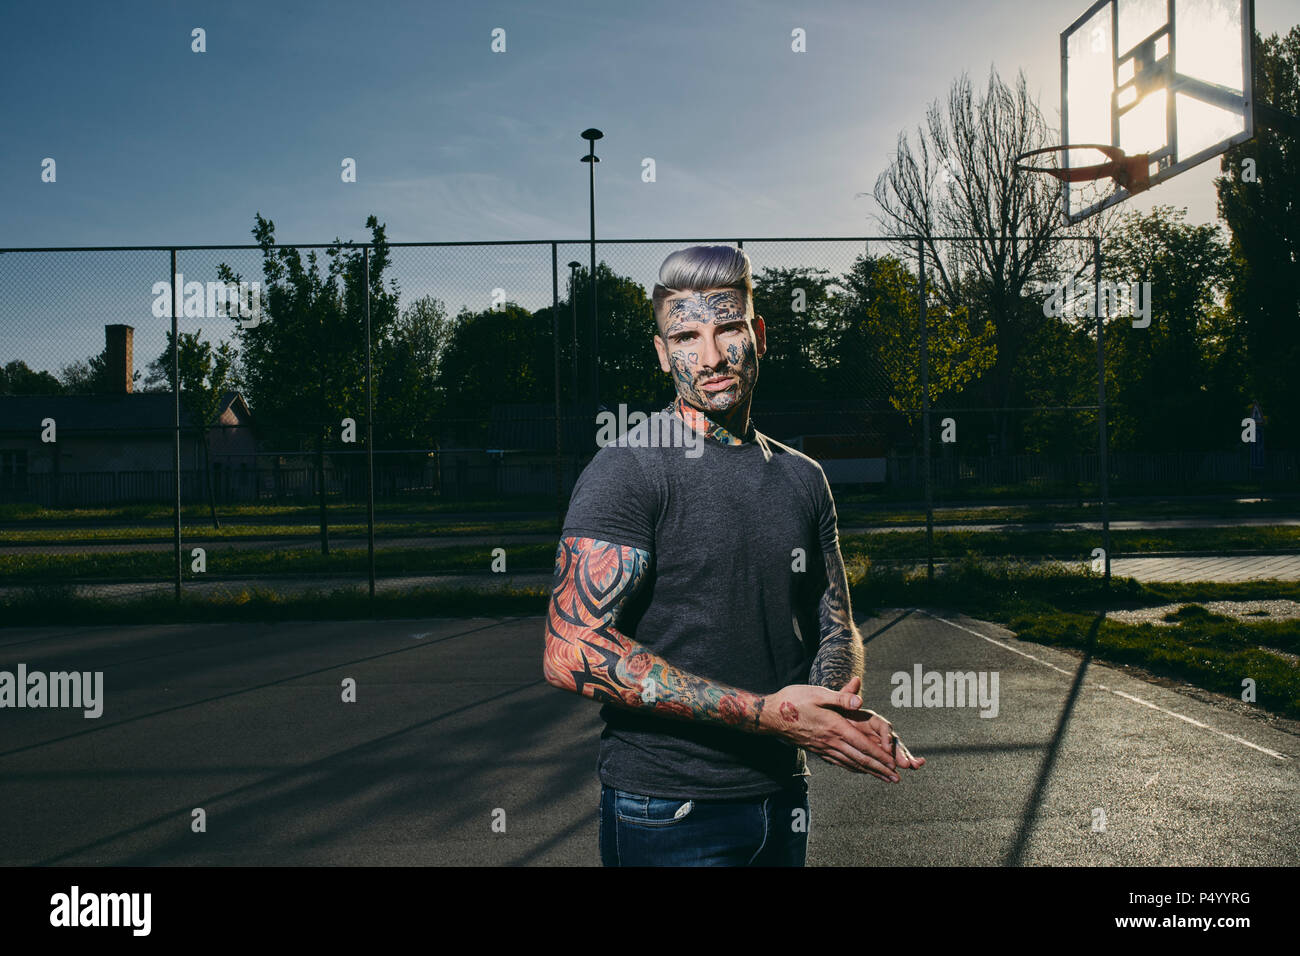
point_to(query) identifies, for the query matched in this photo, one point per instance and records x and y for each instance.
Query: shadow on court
(230, 744)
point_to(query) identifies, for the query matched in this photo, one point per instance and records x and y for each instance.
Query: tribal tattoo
(586, 654)
(839, 656)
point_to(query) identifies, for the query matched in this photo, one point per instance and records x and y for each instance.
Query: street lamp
(591, 159)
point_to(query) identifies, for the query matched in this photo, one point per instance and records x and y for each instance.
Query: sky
(156, 144)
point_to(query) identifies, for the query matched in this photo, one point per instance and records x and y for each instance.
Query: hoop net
(1092, 173)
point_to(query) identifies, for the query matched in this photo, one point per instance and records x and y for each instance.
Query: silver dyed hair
(703, 267)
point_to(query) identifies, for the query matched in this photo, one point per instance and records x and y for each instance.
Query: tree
(303, 365)
(495, 356)
(800, 309)
(629, 364)
(507, 355)
(960, 180)
(1058, 374)
(91, 377)
(1173, 383)
(1262, 209)
(408, 358)
(883, 309)
(205, 373)
(17, 379)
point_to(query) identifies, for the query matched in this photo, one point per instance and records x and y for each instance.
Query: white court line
(1117, 693)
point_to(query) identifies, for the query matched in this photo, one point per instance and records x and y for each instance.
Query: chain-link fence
(393, 415)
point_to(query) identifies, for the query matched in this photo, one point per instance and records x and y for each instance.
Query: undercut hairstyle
(703, 267)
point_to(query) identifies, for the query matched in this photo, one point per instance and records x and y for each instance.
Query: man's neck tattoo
(707, 427)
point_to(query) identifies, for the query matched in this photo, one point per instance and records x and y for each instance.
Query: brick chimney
(119, 345)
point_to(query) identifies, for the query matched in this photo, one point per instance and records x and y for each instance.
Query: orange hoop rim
(1130, 172)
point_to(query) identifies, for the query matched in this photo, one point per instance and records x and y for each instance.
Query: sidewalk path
(1255, 567)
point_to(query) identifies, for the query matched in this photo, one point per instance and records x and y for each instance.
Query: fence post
(176, 423)
(1101, 412)
(370, 445)
(925, 413)
(555, 343)
(318, 482)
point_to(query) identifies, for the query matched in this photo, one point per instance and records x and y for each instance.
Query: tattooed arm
(586, 654)
(839, 656)
(838, 664)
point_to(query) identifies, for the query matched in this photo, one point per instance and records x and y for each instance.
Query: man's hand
(882, 730)
(819, 719)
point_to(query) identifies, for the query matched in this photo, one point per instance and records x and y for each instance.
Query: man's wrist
(764, 715)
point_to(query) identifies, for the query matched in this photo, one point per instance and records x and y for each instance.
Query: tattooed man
(703, 600)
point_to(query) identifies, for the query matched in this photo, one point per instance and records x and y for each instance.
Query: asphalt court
(453, 730)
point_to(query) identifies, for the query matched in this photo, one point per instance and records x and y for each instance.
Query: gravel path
(1279, 610)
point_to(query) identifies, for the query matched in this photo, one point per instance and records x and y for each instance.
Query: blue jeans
(637, 830)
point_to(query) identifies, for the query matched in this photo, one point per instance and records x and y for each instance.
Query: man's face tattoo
(712, 351)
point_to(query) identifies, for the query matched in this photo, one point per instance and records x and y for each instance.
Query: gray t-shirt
(736, 535)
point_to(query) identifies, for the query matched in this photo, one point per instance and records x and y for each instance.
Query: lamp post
(591, 159)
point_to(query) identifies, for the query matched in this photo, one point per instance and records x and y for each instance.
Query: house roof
(135, 413)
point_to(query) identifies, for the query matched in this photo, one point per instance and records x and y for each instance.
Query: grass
(1071, 545)
(33, 567)
(278, 562)
(32, 525)
(47, 604)
(851, 513)
(44, 533)
(227, 532)
(897, 506)
(197, 512)
(1042, 490)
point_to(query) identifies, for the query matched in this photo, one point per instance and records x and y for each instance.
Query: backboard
(1168, 78)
